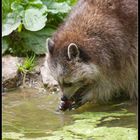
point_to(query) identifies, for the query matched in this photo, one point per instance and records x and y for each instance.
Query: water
(27, 111)
(34, 114)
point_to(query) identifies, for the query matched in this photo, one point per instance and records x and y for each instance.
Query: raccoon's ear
(49, 45)
(73, 51)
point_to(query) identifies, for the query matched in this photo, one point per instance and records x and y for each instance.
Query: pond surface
(28, 114)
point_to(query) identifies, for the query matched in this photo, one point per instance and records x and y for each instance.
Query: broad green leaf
(36, 2)
(44, 10)
(25, 42)
(32, 15)
(34, 19)
(10, 24)
(17, 6)
(34, 42)
(56, 7)
(46, 32)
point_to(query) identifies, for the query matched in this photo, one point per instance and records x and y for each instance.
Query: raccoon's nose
(64, 98)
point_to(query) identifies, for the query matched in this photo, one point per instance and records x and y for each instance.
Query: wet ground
(27, 114)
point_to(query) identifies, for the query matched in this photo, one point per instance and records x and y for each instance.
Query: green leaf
(46, 32)
(34, 19)
(31, 15)
(27, 42)
(34, 42)
(4, 45)
(10, 24)
(56, 7)
(37, 3)
(17, 6)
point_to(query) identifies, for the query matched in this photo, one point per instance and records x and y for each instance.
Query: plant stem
(24, 79)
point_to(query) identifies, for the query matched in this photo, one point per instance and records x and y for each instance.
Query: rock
(11, 78)
(47, 79)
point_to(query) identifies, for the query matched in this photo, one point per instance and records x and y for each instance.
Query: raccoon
(93, 54)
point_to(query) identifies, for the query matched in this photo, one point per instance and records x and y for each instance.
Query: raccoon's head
(76, 75)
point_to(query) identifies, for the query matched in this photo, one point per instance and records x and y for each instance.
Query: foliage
(27, 23)
(32, 14)
(27, 66)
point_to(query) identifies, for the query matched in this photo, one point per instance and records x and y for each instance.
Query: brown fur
(106, 33)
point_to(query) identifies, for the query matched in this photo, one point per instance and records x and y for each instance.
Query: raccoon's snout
(74, 102)
(65, 103)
